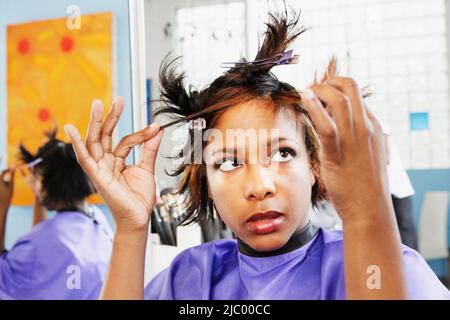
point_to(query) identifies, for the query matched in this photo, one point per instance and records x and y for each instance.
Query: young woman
(322, 142)
(64, 257)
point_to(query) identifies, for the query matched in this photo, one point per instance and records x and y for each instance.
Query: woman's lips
(265, 222)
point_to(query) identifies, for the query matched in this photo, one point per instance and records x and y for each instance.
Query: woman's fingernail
(97, 106)
(308, 94)
(7, 177)
(93, 107)
(67, 130)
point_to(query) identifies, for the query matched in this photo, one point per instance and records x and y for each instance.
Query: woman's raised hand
(6, 189)
(353, 167)
(129, 190)
(353, 159)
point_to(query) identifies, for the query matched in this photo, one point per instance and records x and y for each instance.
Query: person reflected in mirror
(66, 256)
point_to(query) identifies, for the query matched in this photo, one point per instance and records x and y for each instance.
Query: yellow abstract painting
(53, 74)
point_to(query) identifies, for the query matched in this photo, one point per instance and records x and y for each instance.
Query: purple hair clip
(34, 163)
(287, 57)
(199, 123)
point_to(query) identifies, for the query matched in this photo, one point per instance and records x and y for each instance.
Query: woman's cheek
(225, 194)
(218, 186)
(296, 174)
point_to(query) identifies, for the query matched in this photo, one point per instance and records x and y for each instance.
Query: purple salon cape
(65, 257)
(217, 270)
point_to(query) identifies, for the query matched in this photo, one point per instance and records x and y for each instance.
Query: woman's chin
(267, 243)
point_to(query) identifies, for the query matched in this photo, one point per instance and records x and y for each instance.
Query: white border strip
(138, 67)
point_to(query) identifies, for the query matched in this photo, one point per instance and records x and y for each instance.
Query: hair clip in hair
(33, 163)
(198, 123)
(287, 57)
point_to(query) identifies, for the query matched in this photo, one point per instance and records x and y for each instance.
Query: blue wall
(22, 11)
(430, 180)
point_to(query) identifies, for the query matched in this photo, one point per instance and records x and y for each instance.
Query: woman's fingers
(350, 88)
(110, 123)
(128, 142)
(84, 158)
(11, 181)
(93, 143)
(340, 108)
(377, 138)
(7, 177)
(149, 151)
(330, 72)
(323, 123)
(4, 177)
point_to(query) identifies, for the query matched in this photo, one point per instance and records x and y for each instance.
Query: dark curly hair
(64, 183)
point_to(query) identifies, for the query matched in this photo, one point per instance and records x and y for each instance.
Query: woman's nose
(259, 183)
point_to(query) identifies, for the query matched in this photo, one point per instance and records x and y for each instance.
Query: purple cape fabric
(216, 270)
(45, 263)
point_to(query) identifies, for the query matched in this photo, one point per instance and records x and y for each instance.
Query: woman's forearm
(3, 215)
(125, 278)
(373, 259)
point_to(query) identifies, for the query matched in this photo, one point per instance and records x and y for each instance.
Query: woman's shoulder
(191, 271)
(218, 255)
(216, 250)
(60, 231)
(422, 282)
(226, 250)
(331, 236)
(331, 241)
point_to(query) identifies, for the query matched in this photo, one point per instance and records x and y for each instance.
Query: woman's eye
(282, 155)
(229, 165)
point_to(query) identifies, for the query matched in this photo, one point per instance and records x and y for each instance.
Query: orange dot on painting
(67, 44)
(43, 114)
(23, 46)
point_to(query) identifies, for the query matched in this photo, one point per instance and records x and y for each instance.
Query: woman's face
(261, 184)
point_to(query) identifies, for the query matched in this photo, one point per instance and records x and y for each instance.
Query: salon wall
(20, 11)
(430, 180)
(158, 21)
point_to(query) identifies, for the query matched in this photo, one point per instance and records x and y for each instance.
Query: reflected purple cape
(65, 257)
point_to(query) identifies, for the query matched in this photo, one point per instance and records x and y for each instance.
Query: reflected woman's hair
(64, 183)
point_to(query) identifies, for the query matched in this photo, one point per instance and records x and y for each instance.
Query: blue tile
(418, 121)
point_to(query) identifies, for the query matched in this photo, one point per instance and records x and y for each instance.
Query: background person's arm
(6, 193)
(353, 166)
